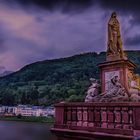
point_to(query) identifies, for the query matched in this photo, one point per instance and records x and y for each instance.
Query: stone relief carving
(92, 91)
(116, 93)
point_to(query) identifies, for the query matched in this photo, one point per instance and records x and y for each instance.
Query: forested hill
(50, 81)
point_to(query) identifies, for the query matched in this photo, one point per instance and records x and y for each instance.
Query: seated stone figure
(93, 90)
(116, 93)
(134, 88)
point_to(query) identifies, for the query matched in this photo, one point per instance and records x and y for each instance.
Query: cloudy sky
(34, 30)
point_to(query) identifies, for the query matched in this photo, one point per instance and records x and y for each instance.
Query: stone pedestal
(120, 68)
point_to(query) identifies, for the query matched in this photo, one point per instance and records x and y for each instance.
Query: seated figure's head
(116, 78)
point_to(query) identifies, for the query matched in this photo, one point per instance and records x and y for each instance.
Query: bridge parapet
(109, 118)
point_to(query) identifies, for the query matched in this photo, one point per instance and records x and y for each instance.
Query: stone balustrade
(110, 118)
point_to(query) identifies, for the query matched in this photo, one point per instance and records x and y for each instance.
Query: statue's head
(116, 77)
(114, 15)
(134, 77)
(93, 80)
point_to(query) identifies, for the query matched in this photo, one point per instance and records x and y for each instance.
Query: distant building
(26, 110)
(7, 110)
(37, 111)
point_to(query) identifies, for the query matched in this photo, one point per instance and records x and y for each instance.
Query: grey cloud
(133, 41)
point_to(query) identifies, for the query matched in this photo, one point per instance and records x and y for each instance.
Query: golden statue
(114, 37)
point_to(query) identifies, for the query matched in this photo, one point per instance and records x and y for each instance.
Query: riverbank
(28, 119)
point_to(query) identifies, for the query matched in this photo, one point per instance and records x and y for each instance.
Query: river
(25, 131)
(10, 130)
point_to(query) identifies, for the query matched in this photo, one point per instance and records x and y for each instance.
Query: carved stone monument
(118, 80)
(116, 64)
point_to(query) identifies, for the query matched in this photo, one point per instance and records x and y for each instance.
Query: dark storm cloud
(66, 5)
(123, 5)
(33, 30)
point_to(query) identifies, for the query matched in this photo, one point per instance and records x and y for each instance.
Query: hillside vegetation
(50, 81)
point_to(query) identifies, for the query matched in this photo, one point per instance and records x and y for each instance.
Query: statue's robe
(114, 38)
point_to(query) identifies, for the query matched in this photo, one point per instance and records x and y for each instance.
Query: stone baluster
(91, 117)
(79, 116)
(69, 116)
(104, 117)
(130, 118)
(65, 115)
(85, 117)
(110, 117)
(117, 112)
(136, 123)
(74, 116)
(97, 117)
(125, 118)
